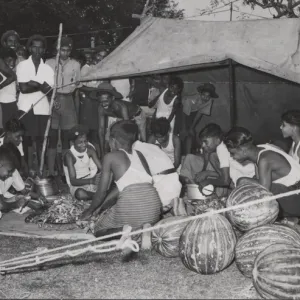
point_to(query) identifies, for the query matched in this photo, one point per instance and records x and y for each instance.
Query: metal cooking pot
(47, 186)
(193, 192)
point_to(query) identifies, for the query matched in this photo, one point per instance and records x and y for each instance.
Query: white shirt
(157, 159)
(236, 170)
(8, 94)
(20, 147)
(122, 86)
(84, 71)
(16, 181)
(26, 72)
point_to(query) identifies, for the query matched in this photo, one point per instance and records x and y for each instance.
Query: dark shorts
(64, 113)
(35, 125)
(288, 206)
(9, 110)
(89, 113)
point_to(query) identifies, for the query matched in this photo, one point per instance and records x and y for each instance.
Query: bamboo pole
(52, 100)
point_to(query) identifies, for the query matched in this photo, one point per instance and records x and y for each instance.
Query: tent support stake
(232, 94)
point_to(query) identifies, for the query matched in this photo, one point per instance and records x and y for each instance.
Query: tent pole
(232, 95)
(232, 86)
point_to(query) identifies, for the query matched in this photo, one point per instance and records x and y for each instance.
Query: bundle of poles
(73, 250)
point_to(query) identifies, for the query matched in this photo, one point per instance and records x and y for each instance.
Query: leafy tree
(29, 17)
(281, 8)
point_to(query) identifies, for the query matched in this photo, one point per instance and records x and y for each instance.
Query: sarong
(137, 205)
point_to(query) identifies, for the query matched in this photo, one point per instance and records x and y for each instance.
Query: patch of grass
(105, 276)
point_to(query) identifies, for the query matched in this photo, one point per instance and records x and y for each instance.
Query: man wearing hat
(111, 105)
(10, 39)
(64, 115)
(194, 107)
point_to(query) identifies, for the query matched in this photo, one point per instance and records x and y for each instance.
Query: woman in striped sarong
(135, 202)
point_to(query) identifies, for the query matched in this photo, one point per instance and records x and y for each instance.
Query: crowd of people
(132, 165)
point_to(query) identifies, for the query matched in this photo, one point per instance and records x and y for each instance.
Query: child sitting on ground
(81, 164)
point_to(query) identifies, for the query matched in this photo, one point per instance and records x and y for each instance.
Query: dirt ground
(149, 276)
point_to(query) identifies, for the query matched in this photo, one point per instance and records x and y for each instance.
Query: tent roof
(168, 45)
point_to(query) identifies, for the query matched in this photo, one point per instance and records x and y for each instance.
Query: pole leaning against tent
(52, 100)
(232, 99)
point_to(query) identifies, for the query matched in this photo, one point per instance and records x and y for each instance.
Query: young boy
(167, 103)
(81, 164)
(277, 171)
(214, 166)
(111, 106)
(168, 142)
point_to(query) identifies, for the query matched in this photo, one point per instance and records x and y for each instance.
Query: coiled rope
(37, 258)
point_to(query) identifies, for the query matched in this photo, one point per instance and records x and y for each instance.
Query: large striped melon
(276, 273)
(166, 240)
(255, 215)
(207, 245)
(256, 240)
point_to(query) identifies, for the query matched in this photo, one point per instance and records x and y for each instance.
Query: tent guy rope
(38, 259)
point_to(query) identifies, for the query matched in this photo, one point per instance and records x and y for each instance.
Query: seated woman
(277, 171)
(290, 128)
(14, 131)
(168, 142)
(135, 202)
(81, 164)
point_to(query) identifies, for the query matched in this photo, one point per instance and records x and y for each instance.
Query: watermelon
(211, 202)
(206, 245)
(165, 241)
(276, 272)
(255, 215)
(256, 240)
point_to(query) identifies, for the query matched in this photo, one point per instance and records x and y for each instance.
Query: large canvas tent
(266, 68)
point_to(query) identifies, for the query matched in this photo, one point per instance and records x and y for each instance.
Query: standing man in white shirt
(35, 79)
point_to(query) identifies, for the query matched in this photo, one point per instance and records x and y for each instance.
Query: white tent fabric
(165, 45)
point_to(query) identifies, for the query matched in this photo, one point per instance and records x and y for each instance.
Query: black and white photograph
(150, 149)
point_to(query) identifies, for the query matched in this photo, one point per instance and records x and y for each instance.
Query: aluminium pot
(47, 187)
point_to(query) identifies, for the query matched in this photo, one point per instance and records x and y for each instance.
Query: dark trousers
(9, 110)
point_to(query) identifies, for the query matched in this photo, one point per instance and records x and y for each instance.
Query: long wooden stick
(52, 100)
